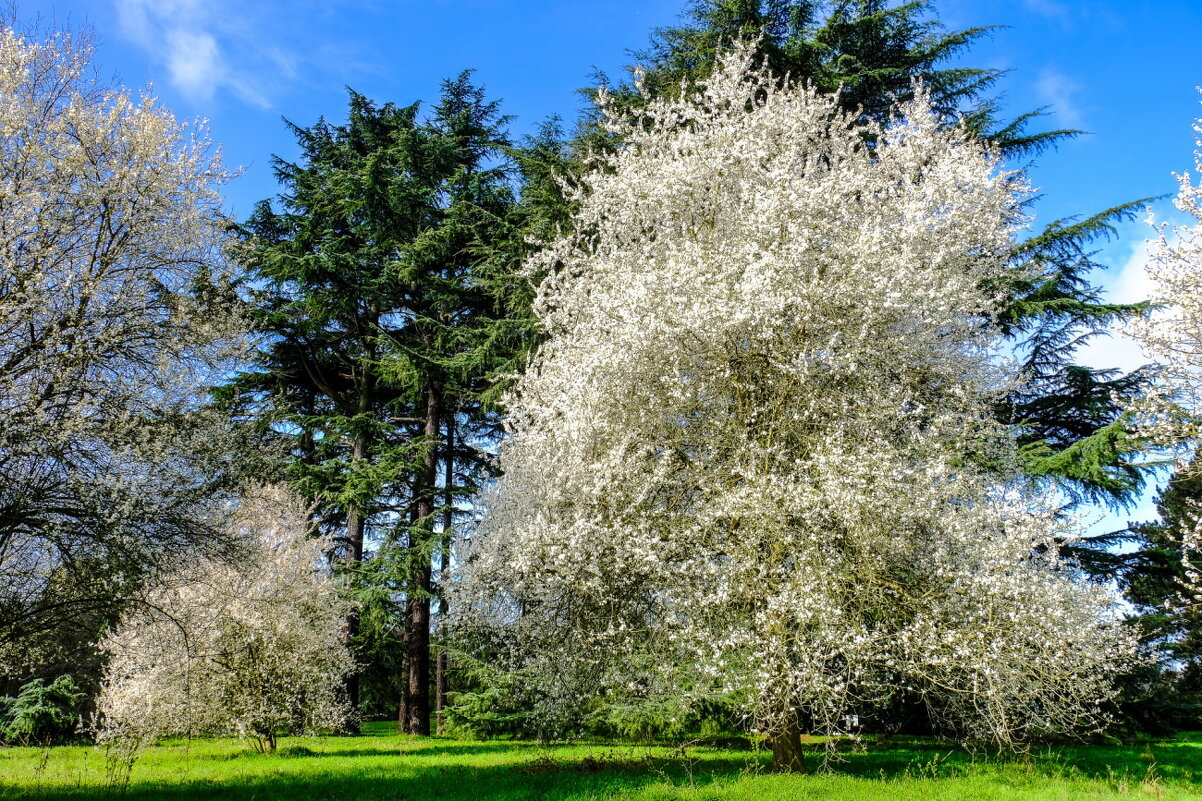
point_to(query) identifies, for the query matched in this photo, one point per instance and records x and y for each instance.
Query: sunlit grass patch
(381, 765)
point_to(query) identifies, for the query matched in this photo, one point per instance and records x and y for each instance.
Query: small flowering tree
(252, 648)
(748, 463)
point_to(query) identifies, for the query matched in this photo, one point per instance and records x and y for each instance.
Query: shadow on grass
(411, 771)
(1175, 761)
(472, 749)
(567, 780)
(401, 750)
(1181, 762)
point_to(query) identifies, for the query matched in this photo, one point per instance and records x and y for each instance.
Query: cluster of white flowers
(252, 648)
(109, 220)
(1172, 333)
(1170, 413)
(744, 464)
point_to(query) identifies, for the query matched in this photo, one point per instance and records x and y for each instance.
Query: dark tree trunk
(417, 718)
(356, 519)
(440, 688)
(787, 756)
(444, 571)
(354, 555)
(402, 715)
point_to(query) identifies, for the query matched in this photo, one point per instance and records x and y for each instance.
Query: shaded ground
(380, 765)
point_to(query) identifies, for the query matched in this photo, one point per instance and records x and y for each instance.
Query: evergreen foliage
(389, 303)
(1153, 575)
(40, 713)
(1147, 563)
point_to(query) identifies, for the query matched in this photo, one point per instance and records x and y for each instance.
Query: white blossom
(250, 648)
(1172, 333)
(114, 318)
(1170, 414)
(746, 464)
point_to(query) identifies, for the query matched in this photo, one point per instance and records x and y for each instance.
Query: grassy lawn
(381, 765)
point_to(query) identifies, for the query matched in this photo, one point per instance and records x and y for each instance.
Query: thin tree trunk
(402, 714)
(354, 538)
(355, 514)
(418, 651)
(444, 572)
(402, 717)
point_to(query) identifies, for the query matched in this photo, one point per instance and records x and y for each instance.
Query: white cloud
(195, 42)
(1132, 283)
(1113, 350)
(1057, 90)
(1129, 284)
(194, 62)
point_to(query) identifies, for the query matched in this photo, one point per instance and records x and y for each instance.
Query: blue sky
(1123, 70)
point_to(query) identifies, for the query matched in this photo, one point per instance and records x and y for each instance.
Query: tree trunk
(440, 687)
(418, 650)
(265, 740)
(444, 571)
(787, 756)
(354, 538)
(402, 714)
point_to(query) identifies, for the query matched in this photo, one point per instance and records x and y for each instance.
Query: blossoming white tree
(746, 463)
(252, 648)
(1171, 412)
(1173, 334)
(113, 321)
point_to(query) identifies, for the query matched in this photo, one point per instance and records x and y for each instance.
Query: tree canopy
(115, 316)
(868, 53)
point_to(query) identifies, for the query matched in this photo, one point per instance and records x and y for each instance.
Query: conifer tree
(1153, 576)
(329, 298)
(459, 336)
(386, 304)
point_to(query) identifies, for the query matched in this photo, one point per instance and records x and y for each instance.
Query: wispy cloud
(195, 62)
(1129, 284)
(206, 47)
(1057, 90)
(1054, 9)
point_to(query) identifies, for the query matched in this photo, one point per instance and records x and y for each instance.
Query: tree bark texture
(441, 684)
(787, 754)
(354, 538)
(418, 649)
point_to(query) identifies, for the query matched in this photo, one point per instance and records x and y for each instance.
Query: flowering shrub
(251, 648)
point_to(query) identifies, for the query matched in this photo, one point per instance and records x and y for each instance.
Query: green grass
(383, 766)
